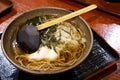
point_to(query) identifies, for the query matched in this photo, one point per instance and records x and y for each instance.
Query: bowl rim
(37, 72)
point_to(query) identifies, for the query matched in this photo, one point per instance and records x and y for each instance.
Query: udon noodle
(65, 39)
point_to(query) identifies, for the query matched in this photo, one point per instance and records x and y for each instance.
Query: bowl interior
(10, 31)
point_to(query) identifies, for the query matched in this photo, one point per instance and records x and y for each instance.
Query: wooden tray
(5, 6)
(108, 6)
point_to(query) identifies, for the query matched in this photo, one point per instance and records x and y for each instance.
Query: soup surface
(61, 46)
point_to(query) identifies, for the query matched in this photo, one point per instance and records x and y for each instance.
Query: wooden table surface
(105, 25)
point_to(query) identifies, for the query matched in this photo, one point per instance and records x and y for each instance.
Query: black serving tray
(100, 56)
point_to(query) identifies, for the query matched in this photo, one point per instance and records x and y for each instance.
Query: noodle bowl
(65, 42)
(63, 46)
